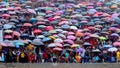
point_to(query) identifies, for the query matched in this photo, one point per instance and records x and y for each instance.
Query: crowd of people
(58, 32)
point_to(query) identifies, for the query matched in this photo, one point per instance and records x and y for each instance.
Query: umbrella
(78, 34)
(49, 28)
(5, 15)
(75, 45)
(79, 50)
(41, 26)
(39, 23)
(94, 36)
(33, 20)
(7, 26)
(107, 46)
(66, 45)
(37, 42)
(69, 41)
(31, 11)
(27, 24)
(52, 31)
(115, 35)
(8, 31)
(96, 50)
(16, 33)
(58, 40)
(73, 27)
(48, 8)
(52, 45)
(7, 43)
(40, 36)
(102, 38)
(18, 43)
(59, 45)
(71, 37)
(65, 26)
(116, 43)
(37, 31)
(46, 39)
(112, 49)
(86, 44)
(57, 49)
(63, 22)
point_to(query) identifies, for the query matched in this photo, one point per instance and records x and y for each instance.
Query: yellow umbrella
(52, 37)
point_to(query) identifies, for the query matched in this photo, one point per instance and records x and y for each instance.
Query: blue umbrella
(107, 46)
(33, 20)
(7, 26)
(65, 26)
(18, 43)
(46, 39)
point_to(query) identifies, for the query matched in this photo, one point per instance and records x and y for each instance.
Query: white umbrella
(112, 49)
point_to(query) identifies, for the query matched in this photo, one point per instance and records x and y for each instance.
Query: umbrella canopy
(69, 41)
(112, 49)
(107, 46)
(96, 50)
(102, 38)
(57, 49)
(18, 43)
(58, 40)
(7, 26)
(37, 42)
(116, 43)
(87, 44)
(52, 45)
(27, 24)
(46, 39)
(71, 37)
(75, 45)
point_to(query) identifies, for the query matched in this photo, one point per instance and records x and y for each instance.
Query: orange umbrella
(79, 34)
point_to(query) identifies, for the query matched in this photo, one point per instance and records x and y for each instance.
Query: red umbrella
(27, 24)
(49, 28)
(51, 19)
(37, 31)
(49, 11)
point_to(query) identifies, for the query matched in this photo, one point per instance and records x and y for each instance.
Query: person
(2, 57)
(118, 55)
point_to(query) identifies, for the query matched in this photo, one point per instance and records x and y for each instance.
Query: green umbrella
(102, 38)
(41, 14)
(49, 8)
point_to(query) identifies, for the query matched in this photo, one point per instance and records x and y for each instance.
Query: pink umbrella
(27, 24)
(3, 44)
(59, 45)
(57, 49)
(115, 15)
(49, 28)
(16, 33)
(70, 33)
(90, 7)
(69, 41)
(17, 8)
(49, 11)
(71, 37)
(38, 23)
(8, 36)
(10, 8)
(63, 22)
(5, 15)
(113, 28)
(116, 43)
(31, 11)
